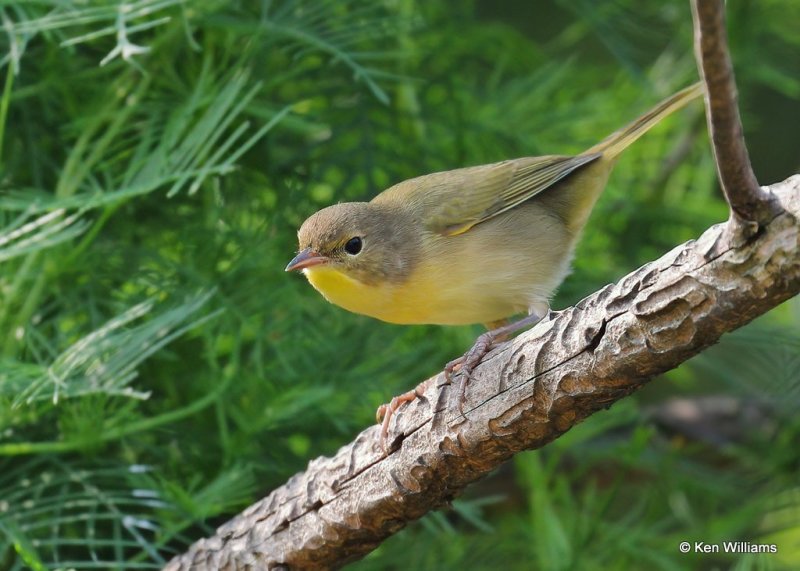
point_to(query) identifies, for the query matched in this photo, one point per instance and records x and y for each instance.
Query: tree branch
(525, 394)
(748, 202)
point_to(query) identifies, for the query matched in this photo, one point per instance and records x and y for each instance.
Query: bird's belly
(504, 266)
(452, 294)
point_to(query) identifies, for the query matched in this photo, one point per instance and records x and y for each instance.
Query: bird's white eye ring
(353, 246)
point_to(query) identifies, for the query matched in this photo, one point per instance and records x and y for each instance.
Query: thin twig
(748, 202)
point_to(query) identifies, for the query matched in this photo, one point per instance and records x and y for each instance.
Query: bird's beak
(306, 259)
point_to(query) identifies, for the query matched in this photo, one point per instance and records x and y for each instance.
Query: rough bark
(525, 394)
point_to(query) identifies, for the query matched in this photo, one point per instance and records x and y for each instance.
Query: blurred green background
(158, 369)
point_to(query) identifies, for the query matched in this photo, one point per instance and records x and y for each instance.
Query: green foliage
(66, 514)
(158, 369)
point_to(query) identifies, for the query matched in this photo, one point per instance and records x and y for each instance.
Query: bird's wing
(455, 201)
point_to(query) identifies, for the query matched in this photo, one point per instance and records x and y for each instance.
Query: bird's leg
(385, 412)
(497, 332)
(483, 344)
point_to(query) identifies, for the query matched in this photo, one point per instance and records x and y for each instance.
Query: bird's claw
(453, 366)
(466, 364)
(386, 411)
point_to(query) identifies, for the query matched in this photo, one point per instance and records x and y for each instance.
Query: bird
(479, 244)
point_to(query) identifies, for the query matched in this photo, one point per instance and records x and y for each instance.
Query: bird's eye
(353, 246)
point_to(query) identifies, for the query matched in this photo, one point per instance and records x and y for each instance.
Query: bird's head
(361, 240)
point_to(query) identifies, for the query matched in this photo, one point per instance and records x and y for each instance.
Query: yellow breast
(405, 303)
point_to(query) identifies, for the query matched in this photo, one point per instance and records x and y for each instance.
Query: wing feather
(483, 195)
(452, 202)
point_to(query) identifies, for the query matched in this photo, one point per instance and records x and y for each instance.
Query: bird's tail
(618, 141)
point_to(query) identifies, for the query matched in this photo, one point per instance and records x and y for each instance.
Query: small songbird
(471, 245)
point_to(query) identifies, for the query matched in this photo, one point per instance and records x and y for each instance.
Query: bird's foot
(385, 412)
(469, 360)
(466, 364)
